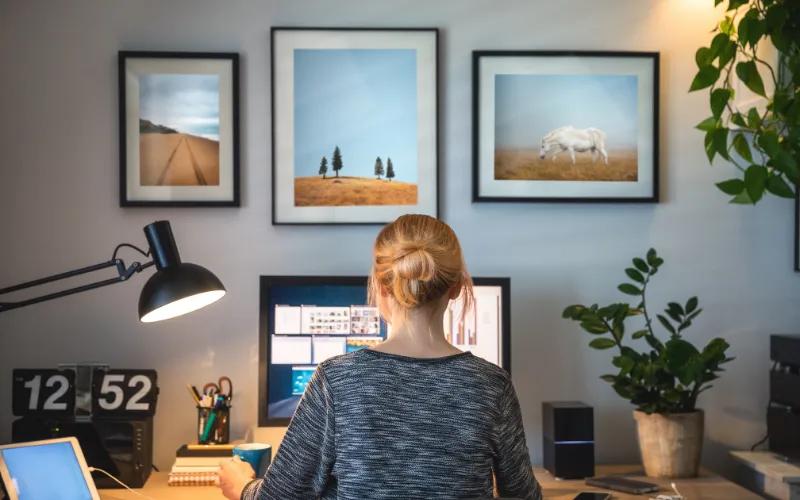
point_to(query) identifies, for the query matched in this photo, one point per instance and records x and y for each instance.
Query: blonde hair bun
(418, 259)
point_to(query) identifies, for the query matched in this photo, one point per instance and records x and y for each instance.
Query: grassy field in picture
(175, 159)
(525, 165)
(352, 191)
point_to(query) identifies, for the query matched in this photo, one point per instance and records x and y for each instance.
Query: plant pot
(670, 444)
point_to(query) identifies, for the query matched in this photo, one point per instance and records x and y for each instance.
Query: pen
(193, 394)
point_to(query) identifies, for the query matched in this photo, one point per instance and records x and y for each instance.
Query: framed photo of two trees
(354, 124)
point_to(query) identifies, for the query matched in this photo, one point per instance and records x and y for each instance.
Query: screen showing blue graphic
(309, 323)
(46, 471)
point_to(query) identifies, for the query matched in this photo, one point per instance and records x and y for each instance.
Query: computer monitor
(305, 320)
(54, 468)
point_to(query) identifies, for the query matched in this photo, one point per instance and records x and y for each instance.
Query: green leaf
(664, 321)
(735, 4)
(703, 57)
(595, 328)
(731, 187)
(727, 54)
(742, 147)
(691, 305)
(784, 162)
(706, 77)
(769, 142)
(573, 311)
(634, 275)
(639, 334)
(602, 343)
(747, 71)
(629, 289)
(738, 119)
(720, 138)
(777, 186)
(719, 99)
(651, 257)
(708, 124)
(753, 118)
(641, 265)
(718, 44)
(626, 364)
(742, 199)
(676, 308)
(755, 182)
(711, 150)
(726, 26)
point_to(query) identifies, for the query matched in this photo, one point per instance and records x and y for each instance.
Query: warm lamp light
(177, 288)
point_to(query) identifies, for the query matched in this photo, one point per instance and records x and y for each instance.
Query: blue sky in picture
(187, 103)
(527, 107)
(364, 101)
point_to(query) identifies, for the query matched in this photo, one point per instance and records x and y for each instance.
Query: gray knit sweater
(373, 426)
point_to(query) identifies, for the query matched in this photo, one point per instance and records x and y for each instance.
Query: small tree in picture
(379, 167)
(323, 167)
(336, 163)
(389, 169)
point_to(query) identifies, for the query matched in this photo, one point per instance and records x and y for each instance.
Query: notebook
(54, 468)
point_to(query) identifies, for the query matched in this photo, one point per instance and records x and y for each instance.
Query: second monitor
(305, 320)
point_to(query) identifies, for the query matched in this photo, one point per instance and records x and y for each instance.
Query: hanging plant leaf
(747, 71)
(731, 187)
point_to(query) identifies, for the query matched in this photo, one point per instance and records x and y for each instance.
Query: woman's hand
(233, 477)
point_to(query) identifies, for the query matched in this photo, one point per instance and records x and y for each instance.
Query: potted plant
(763, 142)
(664, 379)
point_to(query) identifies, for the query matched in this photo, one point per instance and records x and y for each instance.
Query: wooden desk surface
(706, 487)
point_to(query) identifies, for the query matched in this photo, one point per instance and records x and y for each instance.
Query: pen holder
(213, 425)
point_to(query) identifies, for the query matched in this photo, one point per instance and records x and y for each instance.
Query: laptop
(54, 468)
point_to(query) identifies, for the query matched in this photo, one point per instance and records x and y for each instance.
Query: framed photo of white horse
(565, 126)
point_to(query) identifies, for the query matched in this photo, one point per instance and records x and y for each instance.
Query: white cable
(93, 469)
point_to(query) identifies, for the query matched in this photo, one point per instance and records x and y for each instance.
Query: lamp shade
(177, 287)
(178, 290)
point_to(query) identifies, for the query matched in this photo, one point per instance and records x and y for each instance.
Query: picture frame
(797, 231)
(532, 110)
(178, 129)
(355, 147)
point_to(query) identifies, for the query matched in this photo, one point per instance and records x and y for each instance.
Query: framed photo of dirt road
(354, 124)
(565, 126)
(178, 129)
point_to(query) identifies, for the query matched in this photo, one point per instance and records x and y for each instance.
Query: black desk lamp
(175, 289)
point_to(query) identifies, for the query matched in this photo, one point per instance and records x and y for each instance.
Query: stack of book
(198, 464)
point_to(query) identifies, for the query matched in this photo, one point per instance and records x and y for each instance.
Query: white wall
(59, 208)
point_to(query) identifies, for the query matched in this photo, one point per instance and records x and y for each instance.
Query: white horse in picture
(572, 139)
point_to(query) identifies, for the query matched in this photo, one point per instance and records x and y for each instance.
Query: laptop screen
(48, 470)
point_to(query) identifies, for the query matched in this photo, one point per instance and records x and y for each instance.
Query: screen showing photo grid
(311, 323)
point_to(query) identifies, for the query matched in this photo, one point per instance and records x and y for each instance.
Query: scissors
(212, 388)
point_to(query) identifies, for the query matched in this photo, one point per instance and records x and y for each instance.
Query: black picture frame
(797, 231)
(533, 190)
(192, 182)
(285, 213)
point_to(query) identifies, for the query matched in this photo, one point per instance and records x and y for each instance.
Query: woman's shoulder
(468, 364)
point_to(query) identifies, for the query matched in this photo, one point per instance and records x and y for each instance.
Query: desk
(706, 487)
(764, 472)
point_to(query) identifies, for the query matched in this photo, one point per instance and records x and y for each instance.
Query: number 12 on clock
(37, 392)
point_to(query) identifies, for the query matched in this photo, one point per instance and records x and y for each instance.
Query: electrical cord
(95, 469)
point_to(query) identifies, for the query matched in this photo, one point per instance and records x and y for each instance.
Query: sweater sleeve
(512, 463)
(304, 461)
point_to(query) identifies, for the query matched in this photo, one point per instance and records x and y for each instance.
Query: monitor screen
(306, 320)
(49, 470)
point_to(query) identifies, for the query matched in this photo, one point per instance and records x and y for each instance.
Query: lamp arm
(124, 273)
